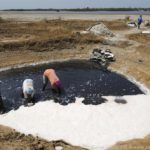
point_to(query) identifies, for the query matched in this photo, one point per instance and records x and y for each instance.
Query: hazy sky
(7, 4)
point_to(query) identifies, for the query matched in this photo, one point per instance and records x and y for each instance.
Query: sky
(29, 4)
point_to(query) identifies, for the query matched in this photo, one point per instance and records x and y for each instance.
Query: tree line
(83, 9)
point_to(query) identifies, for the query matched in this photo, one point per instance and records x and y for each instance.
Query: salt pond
(79, 79)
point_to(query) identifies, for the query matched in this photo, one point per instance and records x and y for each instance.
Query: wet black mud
(78, 78)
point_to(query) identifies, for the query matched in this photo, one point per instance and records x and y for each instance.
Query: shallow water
(79, 79)
(79, 12)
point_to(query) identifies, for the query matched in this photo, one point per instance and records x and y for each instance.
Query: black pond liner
(78, 78)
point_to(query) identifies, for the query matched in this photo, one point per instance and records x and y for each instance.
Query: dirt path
(133, 58)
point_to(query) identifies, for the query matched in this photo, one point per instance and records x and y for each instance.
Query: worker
(139, 21)
(50, 75)
(28, 90)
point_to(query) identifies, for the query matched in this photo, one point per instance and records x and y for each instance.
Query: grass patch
(139, 37)
(116, 25)
(46, 35)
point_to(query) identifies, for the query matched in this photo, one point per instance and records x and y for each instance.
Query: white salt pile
(94, 127)
(100, 29)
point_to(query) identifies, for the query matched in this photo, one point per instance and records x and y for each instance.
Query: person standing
(139, 21)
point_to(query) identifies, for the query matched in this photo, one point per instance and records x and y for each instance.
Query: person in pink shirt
(50, 75)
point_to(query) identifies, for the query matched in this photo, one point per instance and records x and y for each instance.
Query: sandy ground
(20, 44)
(135, 144)
(36, 16)
(13, 140)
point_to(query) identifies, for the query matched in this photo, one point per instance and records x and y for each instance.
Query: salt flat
(89, 126)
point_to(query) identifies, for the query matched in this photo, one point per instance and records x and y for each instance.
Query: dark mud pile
(79, 79)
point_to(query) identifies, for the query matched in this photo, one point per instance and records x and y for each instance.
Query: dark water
(110, 12)
(79, 79)
(84, 12)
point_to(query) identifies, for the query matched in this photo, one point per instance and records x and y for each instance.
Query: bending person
(28, 90)
(50, 75)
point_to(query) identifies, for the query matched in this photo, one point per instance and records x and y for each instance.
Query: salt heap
(93, 127)
(100, 29)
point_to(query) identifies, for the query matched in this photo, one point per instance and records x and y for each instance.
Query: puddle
(79, 79)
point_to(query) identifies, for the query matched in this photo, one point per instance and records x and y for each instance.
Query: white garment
(28, 88)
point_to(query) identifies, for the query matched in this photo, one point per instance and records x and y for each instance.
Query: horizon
(72, 4)
(82, 9)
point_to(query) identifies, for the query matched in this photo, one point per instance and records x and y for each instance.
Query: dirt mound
(51, 44)
(137, 144)
(117, 43)
(100, 29)
(12, 140)
(139, 37)
(144, 50)
(147, 23)
(44, 35)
